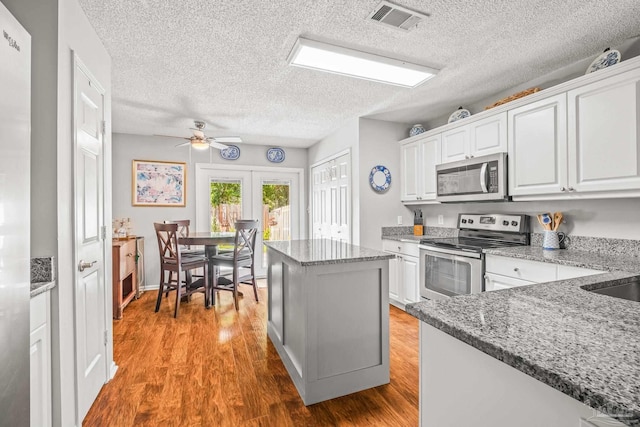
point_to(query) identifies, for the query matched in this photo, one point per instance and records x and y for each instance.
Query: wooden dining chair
(241, 261)
(173, 263)
(183, 231)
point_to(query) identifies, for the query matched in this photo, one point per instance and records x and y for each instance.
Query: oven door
(447, 273)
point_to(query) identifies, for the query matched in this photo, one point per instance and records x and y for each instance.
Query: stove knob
(464, 221)
(470, 221)
(514, 223)
(505, 223)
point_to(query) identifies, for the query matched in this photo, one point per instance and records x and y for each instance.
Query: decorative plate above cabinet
(460, 113)
(605, 59)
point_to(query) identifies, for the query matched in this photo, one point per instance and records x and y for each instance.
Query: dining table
(210, 240)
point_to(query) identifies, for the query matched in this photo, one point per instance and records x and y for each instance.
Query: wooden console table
(125, 285)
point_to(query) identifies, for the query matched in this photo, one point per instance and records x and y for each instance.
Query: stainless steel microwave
(478, 179)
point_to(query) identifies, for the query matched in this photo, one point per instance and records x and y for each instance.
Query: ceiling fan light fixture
(354, 63)
(199, 144)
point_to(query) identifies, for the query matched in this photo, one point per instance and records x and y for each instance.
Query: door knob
(563, 189)
(82, 265)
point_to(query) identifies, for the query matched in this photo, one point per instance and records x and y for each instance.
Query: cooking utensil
(546, 221)
(557, 220)
(539, 216)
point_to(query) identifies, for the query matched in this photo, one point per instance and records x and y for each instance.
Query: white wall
(378, 146)
(128, 147)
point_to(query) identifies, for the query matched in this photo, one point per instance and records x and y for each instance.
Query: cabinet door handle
(563, 189)
(571, 189)
(516, 269)
(82, 265)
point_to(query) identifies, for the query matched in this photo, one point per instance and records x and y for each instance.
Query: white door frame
(202, 170)
(110, 367)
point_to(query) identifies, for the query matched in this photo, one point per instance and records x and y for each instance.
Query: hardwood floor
(217, 367)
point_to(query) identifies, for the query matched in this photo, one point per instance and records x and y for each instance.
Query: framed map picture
(158, 183)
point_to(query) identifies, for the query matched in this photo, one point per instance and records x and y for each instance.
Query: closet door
(331, 199)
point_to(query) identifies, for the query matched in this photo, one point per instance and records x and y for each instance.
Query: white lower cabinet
(404, 280)
(40, 360)
(462, 386)
(504, 272)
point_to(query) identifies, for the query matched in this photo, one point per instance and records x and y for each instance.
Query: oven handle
(460, 253)
(483, 177)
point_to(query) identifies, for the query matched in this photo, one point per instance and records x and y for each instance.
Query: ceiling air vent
(396, 16)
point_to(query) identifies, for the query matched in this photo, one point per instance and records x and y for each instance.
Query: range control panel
(494, 222)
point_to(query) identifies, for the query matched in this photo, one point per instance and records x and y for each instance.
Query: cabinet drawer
(127, 255)
(532, 271)
(405, 248)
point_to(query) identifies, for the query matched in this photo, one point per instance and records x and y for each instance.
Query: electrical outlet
(441, 219)
(399, 219)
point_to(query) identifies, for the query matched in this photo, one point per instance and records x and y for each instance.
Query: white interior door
(331, 199)
(90, 299)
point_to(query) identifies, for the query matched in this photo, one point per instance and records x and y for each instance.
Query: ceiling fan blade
(171, 136)
(183, 144)
(217, 145)
(228, 139)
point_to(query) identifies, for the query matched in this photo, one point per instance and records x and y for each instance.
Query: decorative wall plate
(230, 153)
(460, 113)
(606, 59)
(275, 155)
(380, 179)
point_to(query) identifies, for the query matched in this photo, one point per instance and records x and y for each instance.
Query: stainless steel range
(455, 266)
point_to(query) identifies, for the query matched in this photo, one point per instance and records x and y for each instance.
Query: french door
(270, 195)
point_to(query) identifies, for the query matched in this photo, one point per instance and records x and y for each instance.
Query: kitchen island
(328, 315)
(549, 354)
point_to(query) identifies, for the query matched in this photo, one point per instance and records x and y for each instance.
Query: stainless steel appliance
(15, 148)
(455, 266)
(473, 180)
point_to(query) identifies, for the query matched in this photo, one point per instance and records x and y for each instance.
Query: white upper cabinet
(419, 160)
(478, 138)
(604, 147)
(409, 158)
(538, 147)
(455, 144)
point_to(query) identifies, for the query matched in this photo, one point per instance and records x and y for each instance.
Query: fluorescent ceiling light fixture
(353, 63)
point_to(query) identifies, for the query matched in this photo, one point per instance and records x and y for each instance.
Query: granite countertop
(38, 288)
(583, 344)
(325, 251)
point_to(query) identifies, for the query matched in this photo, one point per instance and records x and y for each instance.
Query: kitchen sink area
(629, 291)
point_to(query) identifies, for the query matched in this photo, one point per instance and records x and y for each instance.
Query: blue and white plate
(275, 155)
(232, 152)
(460, 113)
(380, 179)
(606, 59)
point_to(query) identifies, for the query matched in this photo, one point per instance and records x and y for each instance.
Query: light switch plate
(441, 219)
(399, 219)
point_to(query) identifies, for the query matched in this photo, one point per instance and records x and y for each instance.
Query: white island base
(329, 323)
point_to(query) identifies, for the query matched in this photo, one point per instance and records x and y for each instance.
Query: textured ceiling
(224, 62)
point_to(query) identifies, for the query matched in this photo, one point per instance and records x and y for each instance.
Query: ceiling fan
(200, 141)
